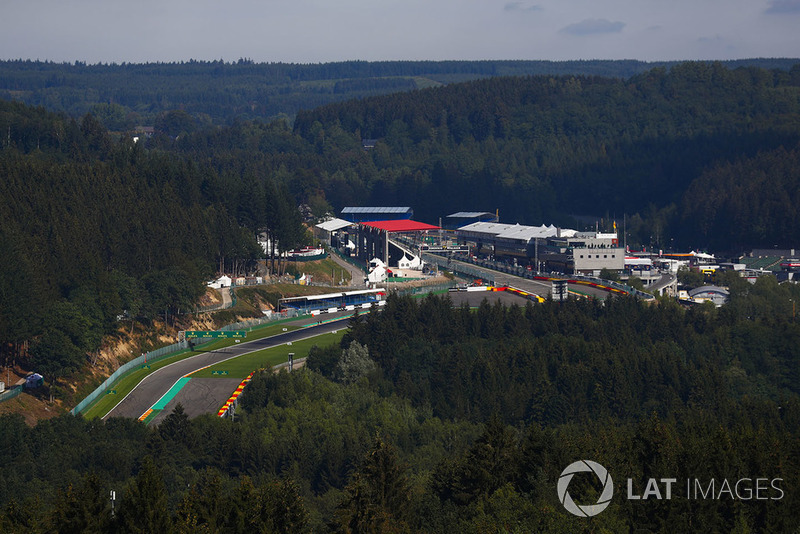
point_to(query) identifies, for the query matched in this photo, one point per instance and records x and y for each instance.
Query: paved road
(474, 298)
(664, 281)
(356, 274)
(204, 395)
(536, 287)
(531, 286)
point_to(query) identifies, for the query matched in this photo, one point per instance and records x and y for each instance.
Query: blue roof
(351, 209)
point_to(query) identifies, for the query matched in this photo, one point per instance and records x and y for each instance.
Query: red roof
(402, 225)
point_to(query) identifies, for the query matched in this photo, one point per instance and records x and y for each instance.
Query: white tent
(409, 263)
(702, 255)
(377, 275)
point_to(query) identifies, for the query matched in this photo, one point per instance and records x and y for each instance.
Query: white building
(591, 260)
(219, 283)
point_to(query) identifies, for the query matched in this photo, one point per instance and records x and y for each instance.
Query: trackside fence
(458, 267)
(422, 290)
(10, 393)
(124, 369)
(351, 261)
(167, 352)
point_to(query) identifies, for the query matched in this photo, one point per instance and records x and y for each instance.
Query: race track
(200, 396)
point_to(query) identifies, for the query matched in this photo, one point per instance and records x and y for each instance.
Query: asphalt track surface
(537, 287)
(474, 298)
(200, 396)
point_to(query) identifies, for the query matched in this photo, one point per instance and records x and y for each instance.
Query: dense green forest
(426, 418)
(683, 155)
(439, 419)
(123, 96)
(95, 229)
(664, 148)
(699, 156)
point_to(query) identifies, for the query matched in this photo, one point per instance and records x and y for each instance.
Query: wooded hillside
(126, 95)
(96, 228)
(698, 156)
(434, 419)
(539, 148)
(426, 418)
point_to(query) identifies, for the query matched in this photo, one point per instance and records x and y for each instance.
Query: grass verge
(243, 365)
(105, 403)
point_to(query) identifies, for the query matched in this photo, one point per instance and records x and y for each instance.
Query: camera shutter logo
(587, 510)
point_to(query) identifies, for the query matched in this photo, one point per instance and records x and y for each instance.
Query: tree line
(439, 419)
(665, 150)
(643, 146)
(127, 95)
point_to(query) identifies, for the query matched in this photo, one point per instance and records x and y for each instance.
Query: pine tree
(82, 509)
(143, 509)
(377, 496)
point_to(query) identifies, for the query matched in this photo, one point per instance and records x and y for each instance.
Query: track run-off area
(203, 382)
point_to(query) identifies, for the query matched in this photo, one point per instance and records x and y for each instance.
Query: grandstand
(382, 213)
(333, 302)
(767, 263)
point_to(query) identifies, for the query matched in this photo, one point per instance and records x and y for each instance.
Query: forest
(683, 154)
(427, 417)
(430, 418)
(123, 96)
(96, 229)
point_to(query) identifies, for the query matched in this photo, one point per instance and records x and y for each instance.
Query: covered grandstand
(463, 218)
(765, 263)
(333, 302)
(372, 238)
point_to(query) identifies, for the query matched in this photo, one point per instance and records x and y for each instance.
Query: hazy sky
(313, 31)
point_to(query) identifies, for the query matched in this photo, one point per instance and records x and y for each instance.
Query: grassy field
(243, 365)
(105, 403)
(249, 295)
(324, 271)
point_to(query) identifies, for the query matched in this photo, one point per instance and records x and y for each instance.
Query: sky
(319, 31)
